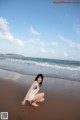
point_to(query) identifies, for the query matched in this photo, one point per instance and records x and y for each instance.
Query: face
(39, 79)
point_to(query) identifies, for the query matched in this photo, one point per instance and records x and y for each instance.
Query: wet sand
(62, 98)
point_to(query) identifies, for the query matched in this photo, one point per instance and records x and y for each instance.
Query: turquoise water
(66, 69)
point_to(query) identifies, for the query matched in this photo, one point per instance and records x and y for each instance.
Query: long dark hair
(42, 77)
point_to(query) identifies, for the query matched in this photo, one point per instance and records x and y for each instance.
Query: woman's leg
(39, 97)
(37, 100)
(41, 100)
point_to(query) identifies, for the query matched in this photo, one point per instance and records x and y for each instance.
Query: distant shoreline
(13, 54)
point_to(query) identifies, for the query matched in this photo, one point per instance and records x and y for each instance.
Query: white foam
(47, 65)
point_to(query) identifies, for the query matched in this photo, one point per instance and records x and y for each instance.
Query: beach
(62, 98)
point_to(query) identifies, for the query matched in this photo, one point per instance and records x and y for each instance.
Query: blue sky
(39, 28)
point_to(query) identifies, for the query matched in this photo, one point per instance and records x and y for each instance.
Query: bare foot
(35, 104)
(23, 102)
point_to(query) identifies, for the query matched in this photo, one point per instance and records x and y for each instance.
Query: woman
(32, 95)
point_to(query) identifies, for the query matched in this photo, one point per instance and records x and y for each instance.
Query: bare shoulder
(33, 83)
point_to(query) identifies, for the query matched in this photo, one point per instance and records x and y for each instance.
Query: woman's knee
(43, 94)
(39, 95)
(42, 99)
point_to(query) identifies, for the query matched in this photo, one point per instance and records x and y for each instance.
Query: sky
(40, 28)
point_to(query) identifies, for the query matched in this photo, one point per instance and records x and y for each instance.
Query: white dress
(31, 95)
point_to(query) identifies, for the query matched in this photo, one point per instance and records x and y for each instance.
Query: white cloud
(36, 42)
(70, 43)
(9, 36)
(66, 54)
(47, 52)
(43, 50)
(5, 34)
(74, 45)
(33, 31)
(54, 44)
(3, 24)
(19, 43)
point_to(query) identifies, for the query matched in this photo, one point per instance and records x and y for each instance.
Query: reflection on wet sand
(62, 100)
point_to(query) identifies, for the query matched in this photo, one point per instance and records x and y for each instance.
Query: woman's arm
(32, 87)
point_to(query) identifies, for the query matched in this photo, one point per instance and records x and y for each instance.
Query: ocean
(63, 69)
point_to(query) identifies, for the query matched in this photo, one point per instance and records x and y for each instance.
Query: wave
(44, 64)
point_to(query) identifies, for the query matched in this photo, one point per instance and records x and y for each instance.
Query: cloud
(66, 54)
(33, 31)
(70, 43)
(6, 36)
(36, 42)
(74, 45)
(54, 44)
(19, 43)
(43, 50)
(5, 33)
(48, 52)
(4, 24)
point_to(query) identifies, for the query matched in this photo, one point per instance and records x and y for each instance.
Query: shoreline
(62, 99)
(53, 69)
(46, 76)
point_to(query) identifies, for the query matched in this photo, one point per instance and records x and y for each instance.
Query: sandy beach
(62, 98)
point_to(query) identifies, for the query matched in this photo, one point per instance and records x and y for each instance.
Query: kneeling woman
(33, 95)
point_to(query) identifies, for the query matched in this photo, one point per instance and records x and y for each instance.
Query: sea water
(66, 69)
